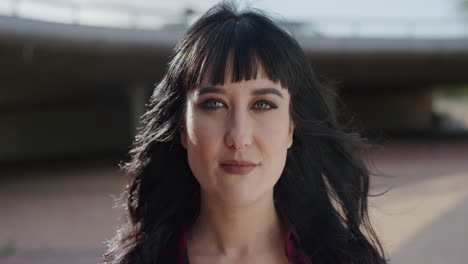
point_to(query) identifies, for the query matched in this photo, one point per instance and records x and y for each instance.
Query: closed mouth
(237, 163)
(242, 169)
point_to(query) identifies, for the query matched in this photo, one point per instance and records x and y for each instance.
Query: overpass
(70, 88)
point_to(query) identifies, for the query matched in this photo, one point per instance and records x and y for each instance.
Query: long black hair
(324, 186)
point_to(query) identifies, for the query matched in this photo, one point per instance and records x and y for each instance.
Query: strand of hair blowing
(162, 194)
(325, 184)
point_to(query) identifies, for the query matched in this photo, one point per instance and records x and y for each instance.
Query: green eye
(265, 105)
(212, 104)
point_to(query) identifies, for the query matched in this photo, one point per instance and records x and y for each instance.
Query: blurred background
(75, 76)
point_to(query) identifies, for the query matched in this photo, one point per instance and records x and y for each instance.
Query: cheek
(202, 131)
(273, 132)
(203, 141)
(273, 142)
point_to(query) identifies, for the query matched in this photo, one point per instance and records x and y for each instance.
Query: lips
(238, 167)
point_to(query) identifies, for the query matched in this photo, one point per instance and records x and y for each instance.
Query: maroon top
(177, 253)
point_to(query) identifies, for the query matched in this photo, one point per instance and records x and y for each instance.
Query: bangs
(235, 48)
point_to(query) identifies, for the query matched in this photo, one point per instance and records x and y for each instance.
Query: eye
(264, 105)
(212, 104)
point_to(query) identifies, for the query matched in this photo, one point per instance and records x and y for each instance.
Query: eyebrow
(210, 89)
(267, 91)
(261, 91)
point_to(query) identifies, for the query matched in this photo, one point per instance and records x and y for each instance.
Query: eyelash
(206, 105)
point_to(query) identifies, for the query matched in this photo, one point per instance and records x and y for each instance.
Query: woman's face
(253, 115)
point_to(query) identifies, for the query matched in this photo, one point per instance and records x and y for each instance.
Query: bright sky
(305, 9)
(429, 15)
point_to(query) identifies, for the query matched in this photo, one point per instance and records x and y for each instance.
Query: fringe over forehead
(225, 44)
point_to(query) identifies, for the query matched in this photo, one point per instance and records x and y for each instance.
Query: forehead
(233, 68)
(260, 82)
(247, 88)
(258, 78)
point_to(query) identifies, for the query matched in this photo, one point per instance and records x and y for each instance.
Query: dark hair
(324, 186)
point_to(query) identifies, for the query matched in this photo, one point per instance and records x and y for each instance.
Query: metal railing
(120, 14)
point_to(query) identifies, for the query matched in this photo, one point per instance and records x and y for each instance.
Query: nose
(238, 129)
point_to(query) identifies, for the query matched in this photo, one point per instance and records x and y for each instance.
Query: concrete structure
(70, 89)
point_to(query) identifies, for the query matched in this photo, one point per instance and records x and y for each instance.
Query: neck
(236, 230)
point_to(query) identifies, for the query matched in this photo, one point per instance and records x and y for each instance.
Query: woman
(240, 160)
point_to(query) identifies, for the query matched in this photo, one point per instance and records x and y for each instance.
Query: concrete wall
(92, 125)
(400, 111)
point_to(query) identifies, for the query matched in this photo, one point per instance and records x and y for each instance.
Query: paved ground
(422, 219)
(58, 212)
(62, 212)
